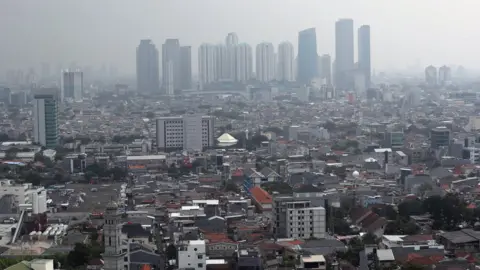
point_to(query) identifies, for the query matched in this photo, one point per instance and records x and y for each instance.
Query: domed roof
(112, 205)
(355, 174)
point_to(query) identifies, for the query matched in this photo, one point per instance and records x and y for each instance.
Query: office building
(325, 69)
(344, 54)
(431, 75)
(207, 61)
(394, 140)
(231, 66)
(244, 63)
(45, 113)
(444, 75)
(185, 132)
(171, 56)
(286, 62)
(364, 58)
(148, 73)
(185, 67)
(297, 218)
(192, 255)
(439, 137)
(265, 62)
(307, 65)
(72, 85)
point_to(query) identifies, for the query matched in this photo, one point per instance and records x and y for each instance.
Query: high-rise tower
(171, 55)
(185, 67)
(265, 62)
(45, 113)
(207, 71)
(344, 54)
(231, 42)
(286, 62)
(148, 74)
(364, 60)
(307, 65)
(243, 59)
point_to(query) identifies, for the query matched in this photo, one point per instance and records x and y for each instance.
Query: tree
(231, 187)
(39, 157)
(410, 208)
(79, 256)
(257, 139)
(150, 115)
(171, 252)
(369, 239)
(4, 137)
(34, 178)
(422, 190)
(11, 153)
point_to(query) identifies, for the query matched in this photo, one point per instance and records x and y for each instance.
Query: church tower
(112, 230)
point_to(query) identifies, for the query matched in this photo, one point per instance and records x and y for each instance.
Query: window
(125, 259)
(195, 249)
(200, 265)
(200, 256)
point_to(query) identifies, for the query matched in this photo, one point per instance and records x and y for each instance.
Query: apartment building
(293, 218)
(188, 132)
(191, 255)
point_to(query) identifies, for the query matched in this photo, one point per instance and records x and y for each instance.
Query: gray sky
(108, 31)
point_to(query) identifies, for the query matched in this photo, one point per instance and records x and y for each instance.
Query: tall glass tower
(307, 65)
(344, 54)
(364, 64)
(45, 124)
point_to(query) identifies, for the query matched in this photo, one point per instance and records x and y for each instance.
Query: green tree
(171, 252)
(79, 256)
(11, 153)
(34, 178)
(369, 239)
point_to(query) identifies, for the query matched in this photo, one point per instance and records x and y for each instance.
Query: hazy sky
(92, 32)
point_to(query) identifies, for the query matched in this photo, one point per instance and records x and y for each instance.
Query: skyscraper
(364, 64)
(326, 68)
(231, 42)
(147, 67)
(221, 64)
(71, 85)
(307, 56)
(344, 54)
(286, 65)
(171, 53)
(207, 69)
(185, 67)
(444, 75)
(431, 75)
(45, 113)
(243, 61)
(265, 62)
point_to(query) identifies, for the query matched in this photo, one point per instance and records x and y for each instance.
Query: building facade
(207, 61)
(185, 67)
(45, 113)
(285, 62)
(294, 218)
(72, 85)
(364, 55)
(307, 63)
(344, 54)
(325, 64)
(244, 62)
(148, 73)
(231, 42)
(265, 62)
(171, 56)
(192, 255)
(113, 256)
(439, 136)
(431, 75)
(188, 132)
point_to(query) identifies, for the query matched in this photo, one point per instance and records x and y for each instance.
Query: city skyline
(31, 45)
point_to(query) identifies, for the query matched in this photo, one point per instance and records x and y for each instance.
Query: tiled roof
(260, 195)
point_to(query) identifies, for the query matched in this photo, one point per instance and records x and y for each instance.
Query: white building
(265, 62)
(72, 85)
(306, 223)
(192, 255)
(207, 61)
(188, 132)
(221, 62)
(286, 62)
(243, 59)
(25, 196)
(444, 75)
(45, 113)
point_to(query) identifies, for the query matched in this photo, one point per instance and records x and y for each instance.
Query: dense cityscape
(259, 158)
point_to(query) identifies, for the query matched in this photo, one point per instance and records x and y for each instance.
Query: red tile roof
(238, 172)
(260, 195)
(216, 237)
